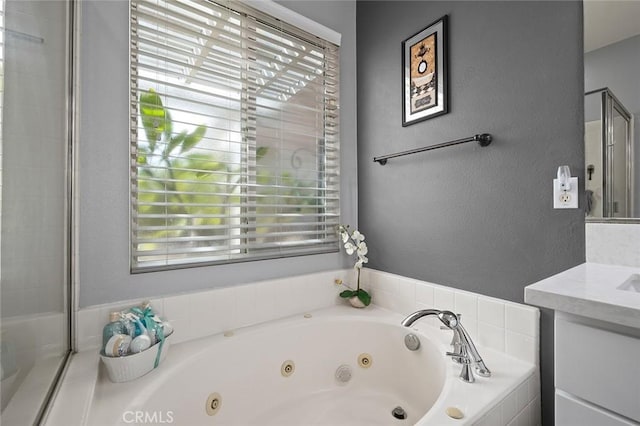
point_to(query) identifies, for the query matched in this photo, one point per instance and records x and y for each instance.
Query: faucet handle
(459, 358)
(459, 351)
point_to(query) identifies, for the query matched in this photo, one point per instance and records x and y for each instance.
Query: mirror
(34, 220)
(612, 109)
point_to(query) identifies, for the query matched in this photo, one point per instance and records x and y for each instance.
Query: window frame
(290, 18)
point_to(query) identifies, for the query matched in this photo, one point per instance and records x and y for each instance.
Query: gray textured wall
(479, 219)
(103, 254)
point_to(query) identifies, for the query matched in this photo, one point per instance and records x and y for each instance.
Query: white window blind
(234, 136)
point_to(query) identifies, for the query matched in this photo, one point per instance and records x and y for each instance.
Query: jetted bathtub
(335, 366)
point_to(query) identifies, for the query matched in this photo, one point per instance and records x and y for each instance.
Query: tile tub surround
(494, 323)
(613, 243)
(510, 395)
(200, 314)
(590, 290)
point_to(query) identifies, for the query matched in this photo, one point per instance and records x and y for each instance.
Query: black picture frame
(425, 73)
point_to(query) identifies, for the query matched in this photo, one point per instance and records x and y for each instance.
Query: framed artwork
(424, 74)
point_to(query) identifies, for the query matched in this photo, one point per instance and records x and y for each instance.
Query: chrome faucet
(464, 351)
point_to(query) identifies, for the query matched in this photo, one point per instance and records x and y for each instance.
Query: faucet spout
(448, 318)
(408, 321)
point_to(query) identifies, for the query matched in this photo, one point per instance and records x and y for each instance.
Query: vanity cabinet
(597, 372)
(597, 343)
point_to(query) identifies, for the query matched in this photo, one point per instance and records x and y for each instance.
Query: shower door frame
(609, 104)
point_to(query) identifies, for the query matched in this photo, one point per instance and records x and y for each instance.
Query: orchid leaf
(348, 293)
(364, 297)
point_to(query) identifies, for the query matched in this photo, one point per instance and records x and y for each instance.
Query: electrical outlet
(565, 199)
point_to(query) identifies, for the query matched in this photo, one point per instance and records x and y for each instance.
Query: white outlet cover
(572, 193)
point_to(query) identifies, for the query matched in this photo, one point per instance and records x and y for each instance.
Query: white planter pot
(355, 302)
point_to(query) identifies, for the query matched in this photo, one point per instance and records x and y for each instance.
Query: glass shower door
(608, 154)
(35, 206)
(618, 164)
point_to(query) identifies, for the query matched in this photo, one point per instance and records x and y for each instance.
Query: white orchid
(357, 236)
(350, 248)
(362, 249)
(354, 243)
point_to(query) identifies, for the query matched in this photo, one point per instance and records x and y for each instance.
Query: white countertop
(589, 290)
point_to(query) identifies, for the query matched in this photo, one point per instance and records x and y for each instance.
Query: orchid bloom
(349, 247)
(354, 243)
(357, 236)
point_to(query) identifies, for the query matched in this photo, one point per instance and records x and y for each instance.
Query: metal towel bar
(483, 139)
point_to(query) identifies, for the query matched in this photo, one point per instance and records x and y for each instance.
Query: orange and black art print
(425, 73)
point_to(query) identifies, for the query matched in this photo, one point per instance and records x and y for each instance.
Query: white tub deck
(169, 395)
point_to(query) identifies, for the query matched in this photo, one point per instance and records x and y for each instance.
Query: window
(234, 136)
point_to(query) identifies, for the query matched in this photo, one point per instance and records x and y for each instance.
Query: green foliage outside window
(187, 193)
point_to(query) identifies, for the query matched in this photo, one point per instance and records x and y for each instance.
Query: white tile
(522, 396)
(521, 346)
(90, 343)
(490, 336)
(424, 295)
(289, 291)
(443, 299)
(203, 316)
(372, 278)
(89, 325)
(224, 309)
(491, 312)
(181, 331)
(158, 306)
(245, 297)
(466, 304)
(265, 303)
(177, 307)
(387, 282)
(534, 386)
(405, 296)
(351, 278)
(492, 418)
(321, 290)
(521, 319)
(383, 298)
(535, 412)
(509, 407)
(51, 329)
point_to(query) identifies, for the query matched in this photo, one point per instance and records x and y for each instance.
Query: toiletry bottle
(115, 326)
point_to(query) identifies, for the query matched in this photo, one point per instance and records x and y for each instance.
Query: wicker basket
(130, 367)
